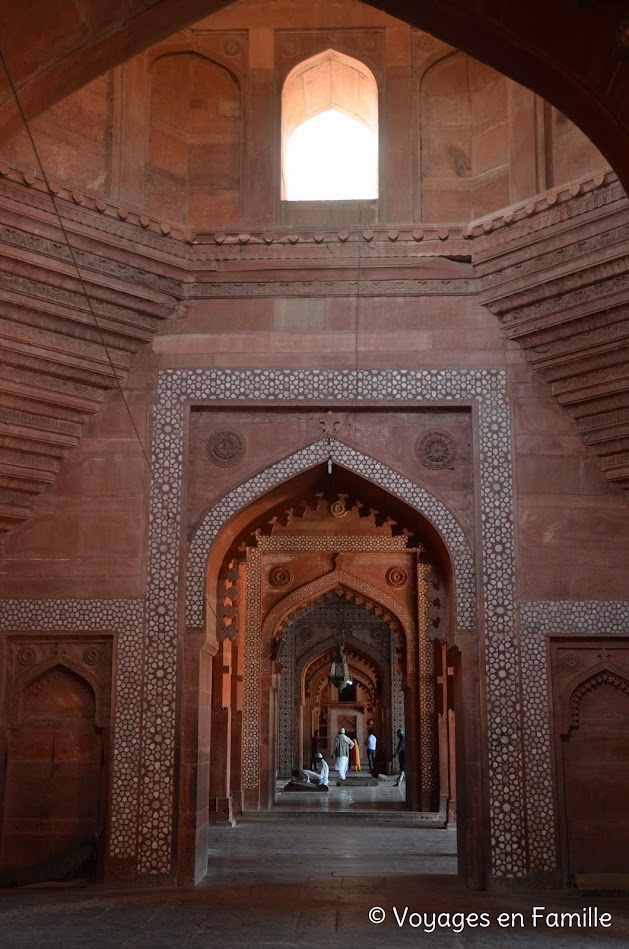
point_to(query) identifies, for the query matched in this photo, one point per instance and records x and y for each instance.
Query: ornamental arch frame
(515, 852)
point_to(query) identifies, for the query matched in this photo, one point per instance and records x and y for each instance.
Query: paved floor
(349, 798)
(290, 884)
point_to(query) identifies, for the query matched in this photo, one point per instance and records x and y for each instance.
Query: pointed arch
(68, 667)
(329, 581)
(426, 504)
(600, 675)
(330, 87)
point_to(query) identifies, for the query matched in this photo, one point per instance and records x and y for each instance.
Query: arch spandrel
(329, 581)
(430, 507)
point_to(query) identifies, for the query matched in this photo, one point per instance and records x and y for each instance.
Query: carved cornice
(364, 287)
(555, 270)
(60, 350)
(551, 208)
(558, 282)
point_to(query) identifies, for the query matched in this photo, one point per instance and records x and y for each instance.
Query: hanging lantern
(339, 669)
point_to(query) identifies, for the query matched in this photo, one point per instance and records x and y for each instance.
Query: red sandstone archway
(254, 570)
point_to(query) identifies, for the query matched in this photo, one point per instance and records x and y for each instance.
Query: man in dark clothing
(401, 754)
(314, 750)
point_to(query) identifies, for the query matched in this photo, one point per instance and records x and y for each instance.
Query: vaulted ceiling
(574, 53)
(561, 293)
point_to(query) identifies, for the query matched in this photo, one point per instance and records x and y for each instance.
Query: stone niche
(56, 746)
(591, 726)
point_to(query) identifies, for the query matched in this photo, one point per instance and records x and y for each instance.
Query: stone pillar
(129, 156)
(411, 744)
(427, 702)
(220, 806)
(261, 173)
(192, 841)
(236, 730)
(473, 818)
(396, 129)
(442, 726)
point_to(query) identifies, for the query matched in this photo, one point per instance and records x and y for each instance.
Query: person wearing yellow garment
(355, 756)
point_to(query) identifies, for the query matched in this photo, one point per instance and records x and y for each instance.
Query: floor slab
(292, 884)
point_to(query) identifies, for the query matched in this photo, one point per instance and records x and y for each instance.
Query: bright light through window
(331, 157)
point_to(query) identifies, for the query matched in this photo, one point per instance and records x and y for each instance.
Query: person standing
(356, 756)
(372, 741)
(400, 751)
(340, 750)
(314, 749)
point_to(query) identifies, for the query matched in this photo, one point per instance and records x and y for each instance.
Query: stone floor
(290, 884)
(350, 800)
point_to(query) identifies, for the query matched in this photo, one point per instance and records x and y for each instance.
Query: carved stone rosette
(226, 447)
(280, 576)
(435, 450)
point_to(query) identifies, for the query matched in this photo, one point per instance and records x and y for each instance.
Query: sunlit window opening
(330, 130)
(331, 157)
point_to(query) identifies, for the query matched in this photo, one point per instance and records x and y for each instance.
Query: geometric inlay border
(484, 389)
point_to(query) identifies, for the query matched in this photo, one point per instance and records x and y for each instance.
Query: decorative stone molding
(531, 210)
(365, 287)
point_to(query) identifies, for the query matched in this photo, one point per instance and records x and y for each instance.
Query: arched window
(330, 130)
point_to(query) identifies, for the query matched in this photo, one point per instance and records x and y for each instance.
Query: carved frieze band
(366, 287)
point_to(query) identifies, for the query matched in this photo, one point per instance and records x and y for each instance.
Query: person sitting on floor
(314, 777)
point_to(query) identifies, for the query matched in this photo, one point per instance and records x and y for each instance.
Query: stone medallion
(26, 656)
(338, 508)
(397, 577)
(92, 656)
(280, 576)
(225, 447)
(435, 450)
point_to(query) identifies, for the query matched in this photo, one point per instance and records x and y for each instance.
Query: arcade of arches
(238, 430)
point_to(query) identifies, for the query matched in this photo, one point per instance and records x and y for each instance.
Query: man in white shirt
(371, 748)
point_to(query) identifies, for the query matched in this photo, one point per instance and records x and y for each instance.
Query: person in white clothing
(314, 777)
(341, 749)
(324, 768)
(371, 748)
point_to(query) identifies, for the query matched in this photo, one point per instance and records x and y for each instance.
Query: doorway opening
(316, 562)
